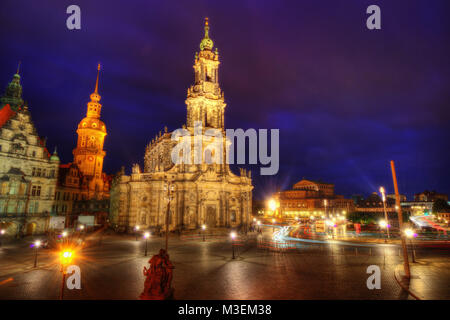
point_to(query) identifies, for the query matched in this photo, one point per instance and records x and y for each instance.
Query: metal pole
(400, 222)
(35, 256)
(167, 216)
(232, 246)
(61, 297)
(413, 251)
(385, 216)
(145, 247)
(167, 225)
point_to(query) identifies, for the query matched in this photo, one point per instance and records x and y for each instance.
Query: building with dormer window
(28, 172)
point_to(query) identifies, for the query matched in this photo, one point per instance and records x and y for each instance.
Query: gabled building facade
(28, 172)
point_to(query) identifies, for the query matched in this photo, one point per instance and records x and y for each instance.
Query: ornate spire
(95, 97)
(18, 68)
(54, 156)
(206, 43)
(94, 106)
(96, 82)
(13, 93)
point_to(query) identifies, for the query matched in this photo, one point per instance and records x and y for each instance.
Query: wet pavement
(112, 269)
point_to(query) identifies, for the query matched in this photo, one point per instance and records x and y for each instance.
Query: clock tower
(88, 154)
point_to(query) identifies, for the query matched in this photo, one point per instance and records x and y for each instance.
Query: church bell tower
(89, 153)
(205, 99)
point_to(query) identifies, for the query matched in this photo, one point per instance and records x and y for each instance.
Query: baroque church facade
(28, 172)
(200, 192)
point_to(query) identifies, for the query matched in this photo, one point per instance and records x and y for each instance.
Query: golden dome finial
(206, 42)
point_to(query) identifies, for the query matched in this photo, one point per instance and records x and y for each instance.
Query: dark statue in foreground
(157, 285)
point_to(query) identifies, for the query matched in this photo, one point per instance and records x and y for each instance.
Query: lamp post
(203, 231)
(400, 221)
(136, 229)
(37, 244)
(259, 225)
(383, 224)
(410, 235)
(146, 236)
(2, 232)
(170, 190)
(383, 197)
(65, 258)
(233, 236)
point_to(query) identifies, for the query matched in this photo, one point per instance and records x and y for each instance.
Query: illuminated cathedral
(203, 193)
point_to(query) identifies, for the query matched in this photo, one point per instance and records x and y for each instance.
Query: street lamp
(2, 232)
(146, 236)
(233, 236)
(170, 190)
(383, 224)
(410, 235)
(383, 197)
(65, 258)
(136, 229)
(64, 235)
(203, 231)
(37, 244)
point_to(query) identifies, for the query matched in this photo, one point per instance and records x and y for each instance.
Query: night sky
(346, 99)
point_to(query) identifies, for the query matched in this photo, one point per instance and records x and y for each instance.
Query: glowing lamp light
(2, 231)
(146, 235)
(82, 227)
(272, 204)
(410, 233)
(383, 224)
(137, 227)
(233, 235)
(64, 234)
(254, 219)
(66, 257)
(259, 223)
(37, 243)
(203, 227)
(273, 220)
